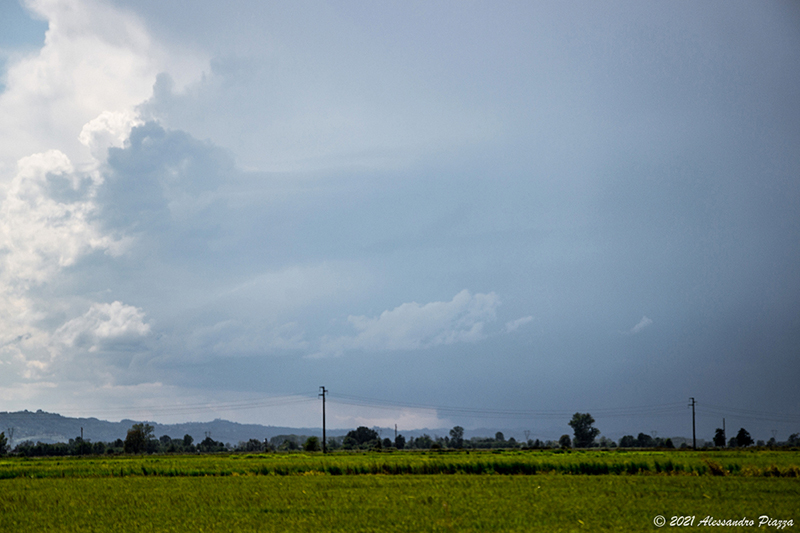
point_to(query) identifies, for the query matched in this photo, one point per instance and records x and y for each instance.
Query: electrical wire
(644, 410)
(653, 410)
(747, 414)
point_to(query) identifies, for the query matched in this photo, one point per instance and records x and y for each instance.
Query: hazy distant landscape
(46, 427)
(51, 427)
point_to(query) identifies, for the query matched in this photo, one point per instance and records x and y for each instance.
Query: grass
(391, 503)
(721, 463)
(359, 492)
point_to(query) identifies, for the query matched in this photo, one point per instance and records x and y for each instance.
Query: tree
(362, 435)
(719, 438)
(209, 445)
(585, 434)
(605, 442)
(311, 444)
(3, 443)
(423, 442)
(288, 445)
(400, 441)
(137, 439)
(80, 447)
(499, 437)
(628, 441)
(457, 437)
(743, 438)
(643, 440)
(565, 442)
(252, 445)
(152, 445)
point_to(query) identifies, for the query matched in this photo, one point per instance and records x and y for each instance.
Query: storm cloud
(527, 206)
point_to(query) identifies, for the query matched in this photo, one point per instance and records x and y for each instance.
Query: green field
(543, 491)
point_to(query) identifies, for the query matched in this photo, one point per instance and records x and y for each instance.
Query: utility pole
(324, 442)
(395, 432)
(694, 434)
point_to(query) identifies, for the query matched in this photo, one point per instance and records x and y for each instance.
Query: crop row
(769, 465)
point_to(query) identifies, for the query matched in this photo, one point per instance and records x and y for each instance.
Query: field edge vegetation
(751, 463)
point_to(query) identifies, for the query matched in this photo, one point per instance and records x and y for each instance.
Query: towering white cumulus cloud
(110, 129)
(412, 326)
(63, 107)
(95, 59)
(40, 235)
(48, 224)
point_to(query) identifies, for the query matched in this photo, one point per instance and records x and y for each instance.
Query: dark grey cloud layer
(526, 206)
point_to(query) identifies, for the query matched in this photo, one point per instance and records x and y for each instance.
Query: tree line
(140, 439)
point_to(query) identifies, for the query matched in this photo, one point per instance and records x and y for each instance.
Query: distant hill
(51, 427)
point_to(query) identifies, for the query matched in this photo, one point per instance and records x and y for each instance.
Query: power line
(665, 409)
(651, 410)
(648, 410)
(749, 414)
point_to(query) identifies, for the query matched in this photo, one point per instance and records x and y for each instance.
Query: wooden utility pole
(324, 442)
(694, 434)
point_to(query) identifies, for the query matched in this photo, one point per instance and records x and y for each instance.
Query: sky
(446, 213)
